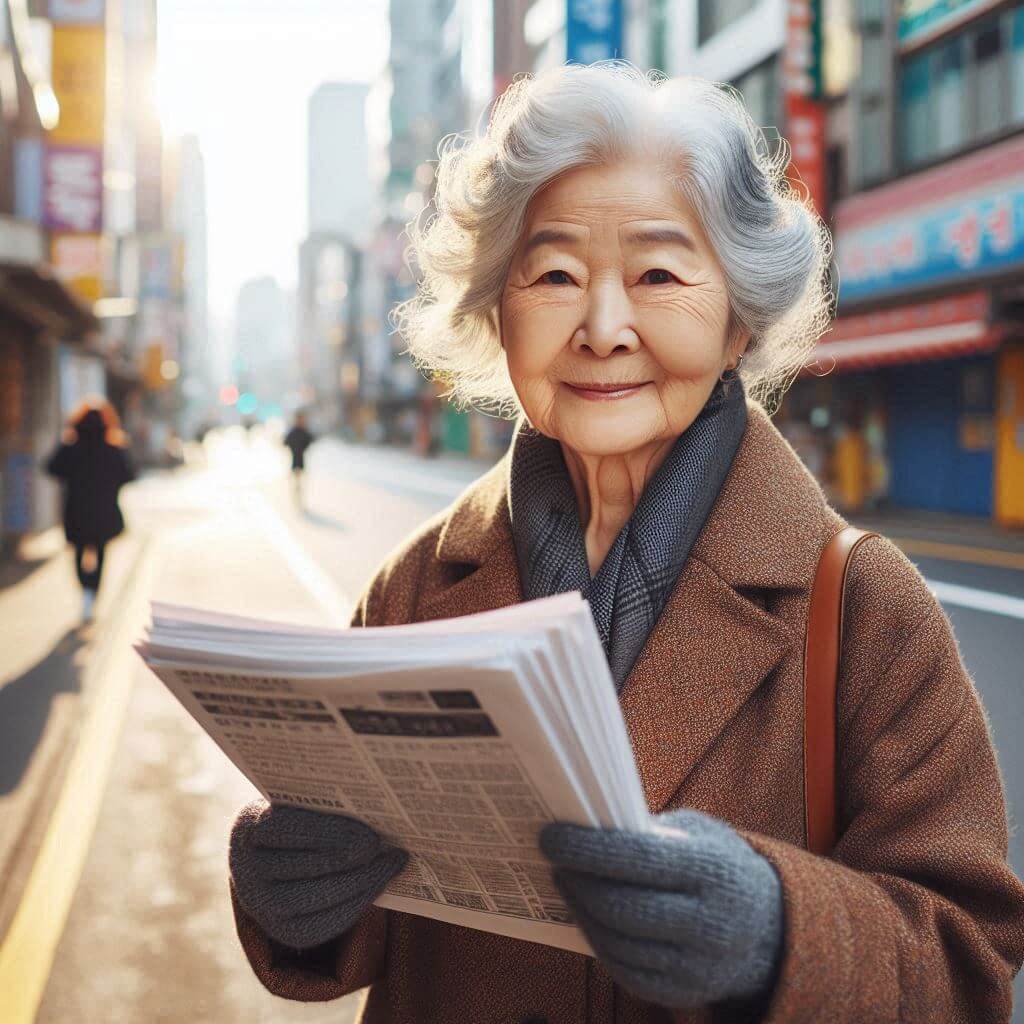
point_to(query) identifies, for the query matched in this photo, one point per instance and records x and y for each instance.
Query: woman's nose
(607, 324)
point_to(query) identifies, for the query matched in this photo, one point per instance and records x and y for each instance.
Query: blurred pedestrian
(92, 462)
(297, 440)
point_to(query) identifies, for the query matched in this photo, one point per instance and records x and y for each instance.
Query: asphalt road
(149, 939)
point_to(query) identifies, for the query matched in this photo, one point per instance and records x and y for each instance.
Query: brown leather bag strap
(821, 671)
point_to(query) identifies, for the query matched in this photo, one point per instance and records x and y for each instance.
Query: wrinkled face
(615, 316)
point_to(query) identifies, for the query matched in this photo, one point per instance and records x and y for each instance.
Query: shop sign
(77, 12)
(78, 261)
(961, 222)
(801, 97)
(593, 30)
(79, 82)
(73, 188)
(967, 308)
(922, 20)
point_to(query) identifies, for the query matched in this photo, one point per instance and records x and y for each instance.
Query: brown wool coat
(916, 919)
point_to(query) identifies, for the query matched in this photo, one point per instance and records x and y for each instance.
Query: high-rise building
(264, 344)
(187, 218)
(427, 100)
(340, 190)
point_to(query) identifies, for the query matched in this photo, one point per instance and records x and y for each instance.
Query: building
(50, 351)
(265, 367)
(340, 194)
(929, 341)
(915, 398)
(187, 220)
(342, 209)
(423, 94)
(511, 54)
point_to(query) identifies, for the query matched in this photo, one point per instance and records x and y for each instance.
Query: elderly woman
(619, 259)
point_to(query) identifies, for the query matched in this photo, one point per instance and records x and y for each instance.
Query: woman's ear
(739, 341)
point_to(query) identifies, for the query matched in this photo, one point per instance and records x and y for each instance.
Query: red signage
(801, 89)
(957, 309)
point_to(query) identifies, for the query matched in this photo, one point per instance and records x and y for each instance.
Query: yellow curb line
(29, 947)
(960, 553)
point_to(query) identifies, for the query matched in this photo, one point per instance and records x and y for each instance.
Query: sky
(239, 73)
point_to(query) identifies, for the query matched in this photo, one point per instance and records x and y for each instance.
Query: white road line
(316, 581)
(980, 600)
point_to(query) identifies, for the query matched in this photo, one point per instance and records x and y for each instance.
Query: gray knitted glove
(307, 877)
(683, 916)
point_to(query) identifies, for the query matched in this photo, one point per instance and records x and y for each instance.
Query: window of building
(873, 52)
(965, 89)
(917, 133)
(836, 183)
(870, 12)
(1017, 65)
(989, 73)
(871, 147)
(759, 88)
(714, 15)
(949, 83)
(658, 34)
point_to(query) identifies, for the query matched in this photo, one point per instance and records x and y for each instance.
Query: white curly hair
(773, 248)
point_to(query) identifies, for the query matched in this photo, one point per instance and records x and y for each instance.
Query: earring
(733, 371)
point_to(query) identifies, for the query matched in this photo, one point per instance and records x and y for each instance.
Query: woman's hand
(684, 916)
(307, 877)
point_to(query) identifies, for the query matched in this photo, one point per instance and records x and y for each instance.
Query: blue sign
(593, 31)
(962, 239)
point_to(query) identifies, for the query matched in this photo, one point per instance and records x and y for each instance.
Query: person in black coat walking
(92, 463)
(297, 440)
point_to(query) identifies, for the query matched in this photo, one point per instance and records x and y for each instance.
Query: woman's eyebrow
(548, 236)
(662, 236)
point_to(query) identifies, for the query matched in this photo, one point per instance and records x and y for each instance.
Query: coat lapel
(712, 646)
(709, 651)
(477, 534)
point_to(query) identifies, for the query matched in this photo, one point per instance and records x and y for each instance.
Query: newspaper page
(456, 764)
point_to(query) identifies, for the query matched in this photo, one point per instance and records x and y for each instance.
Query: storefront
(42, 355)
(926, 375)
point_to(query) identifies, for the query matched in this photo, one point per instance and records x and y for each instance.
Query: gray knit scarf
(629, 592)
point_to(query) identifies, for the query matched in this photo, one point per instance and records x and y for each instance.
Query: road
(148, 937)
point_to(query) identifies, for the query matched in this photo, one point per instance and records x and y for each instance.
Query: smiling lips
(605, 392)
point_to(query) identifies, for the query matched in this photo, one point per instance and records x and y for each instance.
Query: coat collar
(713, 645)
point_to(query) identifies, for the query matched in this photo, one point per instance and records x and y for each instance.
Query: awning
(943, 329)
(33, 295)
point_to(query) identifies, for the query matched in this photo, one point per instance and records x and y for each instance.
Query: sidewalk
(42, 661)
(958, 538)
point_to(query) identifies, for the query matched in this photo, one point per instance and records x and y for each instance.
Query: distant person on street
(93, 464)
(297, 440)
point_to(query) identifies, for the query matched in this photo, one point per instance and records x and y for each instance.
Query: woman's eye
(657, 276)
(555, 277)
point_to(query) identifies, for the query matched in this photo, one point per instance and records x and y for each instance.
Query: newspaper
(456, 740)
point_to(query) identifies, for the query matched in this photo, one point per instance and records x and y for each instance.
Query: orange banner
(79, 81)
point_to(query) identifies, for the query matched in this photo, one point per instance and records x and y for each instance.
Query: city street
(123, 825)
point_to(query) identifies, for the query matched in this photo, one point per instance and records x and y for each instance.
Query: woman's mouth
(596, 392)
